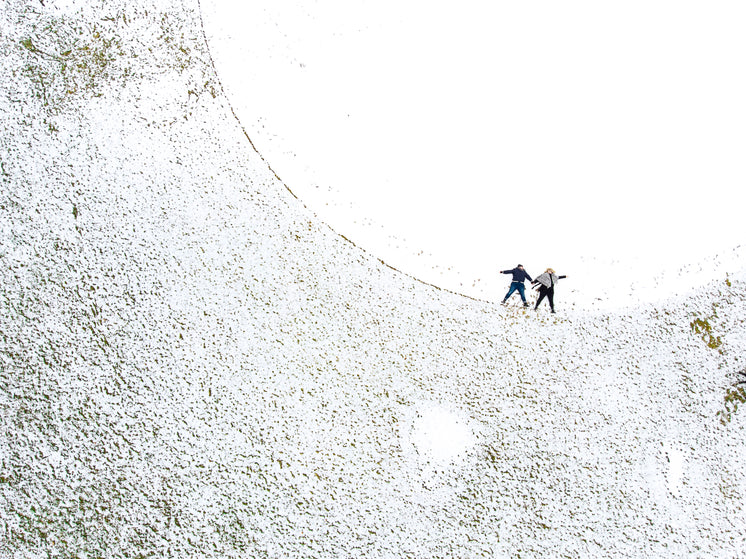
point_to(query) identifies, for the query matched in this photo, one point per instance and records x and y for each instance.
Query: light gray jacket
(548, 280)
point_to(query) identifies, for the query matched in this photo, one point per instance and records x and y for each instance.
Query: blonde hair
(549, 270)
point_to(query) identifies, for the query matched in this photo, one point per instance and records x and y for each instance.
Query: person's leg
(550, 296)
(542, 294)
(510, 291)
(522, 292)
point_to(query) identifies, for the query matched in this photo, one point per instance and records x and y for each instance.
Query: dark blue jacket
(519, 275)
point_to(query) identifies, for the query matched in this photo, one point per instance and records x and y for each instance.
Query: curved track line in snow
(230, 106)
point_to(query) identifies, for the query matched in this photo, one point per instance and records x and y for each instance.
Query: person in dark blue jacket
(519, 276)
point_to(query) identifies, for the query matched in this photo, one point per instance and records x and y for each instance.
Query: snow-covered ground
(192, 364)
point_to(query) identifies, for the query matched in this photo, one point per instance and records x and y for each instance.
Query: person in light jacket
(519, 276)
(546, 283)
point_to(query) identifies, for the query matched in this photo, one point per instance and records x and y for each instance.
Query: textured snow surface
(192, 365)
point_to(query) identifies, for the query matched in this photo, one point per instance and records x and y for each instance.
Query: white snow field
(192, 364)
(455, 140)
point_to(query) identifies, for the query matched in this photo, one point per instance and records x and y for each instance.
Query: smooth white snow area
(675, 459)
(440, 435)
(455, 140)
(194, 364)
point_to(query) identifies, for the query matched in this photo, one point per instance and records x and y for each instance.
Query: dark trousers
(547, 292)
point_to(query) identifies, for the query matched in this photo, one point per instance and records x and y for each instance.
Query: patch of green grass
(65, 59)
(735, 396)
(702, 326)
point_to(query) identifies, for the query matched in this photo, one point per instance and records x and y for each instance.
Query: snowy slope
(192, 365)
